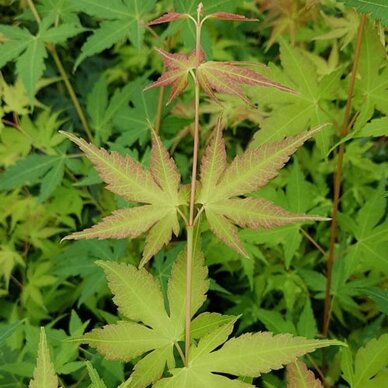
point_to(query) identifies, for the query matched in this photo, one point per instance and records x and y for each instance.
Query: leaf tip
(65, 239)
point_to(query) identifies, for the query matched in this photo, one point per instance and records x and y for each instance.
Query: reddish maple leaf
(178, 68)
(230, 16)
(168, 17)
(226, 77)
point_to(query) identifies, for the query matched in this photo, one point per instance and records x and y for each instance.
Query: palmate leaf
(292, 114)
(226, 77)
(221, 184)
(377, 8)
(149, 327)
(248, 355)
(44, 373)
(157, 188)
(177, 286)
(54, 10)
(298, 376)
(103, 111)
(122, 20)
(48, 169)
(371, 89)
(369, 366)
(178, 68)
(29, 51)
(134, 121)
(370, 229)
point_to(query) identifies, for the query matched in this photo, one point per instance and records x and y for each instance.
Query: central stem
(190, 226)
(337, 181)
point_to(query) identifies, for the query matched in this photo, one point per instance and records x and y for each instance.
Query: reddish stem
(337, 181)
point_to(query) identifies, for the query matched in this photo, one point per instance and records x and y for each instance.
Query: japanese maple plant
(170, 344)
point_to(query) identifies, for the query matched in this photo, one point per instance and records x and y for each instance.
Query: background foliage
(47, 190)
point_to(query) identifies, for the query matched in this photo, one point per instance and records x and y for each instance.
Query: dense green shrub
(81, 67)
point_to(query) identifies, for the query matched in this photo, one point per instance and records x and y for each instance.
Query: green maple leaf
(44, 373)
(379, 296)
(134, 122)
(9, 259)
(156, 189)
(148, 327)
(377, 8)
(29, 51)
(122, 19)
(369, 369)
(103, 110)
(47, 169)
(249, 355)
(293, 114)
(222, 185)
(55, 10)
(371, 89)
(370, 229)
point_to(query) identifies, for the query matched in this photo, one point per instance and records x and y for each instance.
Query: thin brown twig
(337, 181)
(16, 281)
(312, 240)
(318, 369)
(71, 92)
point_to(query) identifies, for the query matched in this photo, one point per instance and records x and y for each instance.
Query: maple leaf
(147, 326)
(168, 17)
(370, 231)
(299, 376)
(29, 51)
(222, 184)
(371, 89)
(292, 114)
(178, 68)
(343, 28)
(121, 19)
(248, 355)
(230, 16)
(226, 77)
(44, 372)
(370, 364)
(377, 8)
(287, 17)
(157, 189)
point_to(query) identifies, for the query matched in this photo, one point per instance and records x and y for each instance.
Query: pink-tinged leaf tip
(230, 16)
(226, 77)
(168, 17)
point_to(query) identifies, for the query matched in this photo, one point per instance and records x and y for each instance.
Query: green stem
(34, 11)
(190, 226)
(189, 279)
(195, 155)
(178, 348)
(337, 181)
(64, 76)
